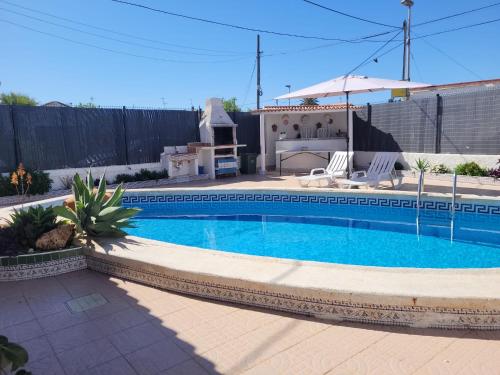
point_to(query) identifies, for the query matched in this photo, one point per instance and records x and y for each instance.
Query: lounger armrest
(315, 170)
(358, 174)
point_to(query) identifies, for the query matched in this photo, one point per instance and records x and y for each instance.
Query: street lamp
(288, 87)
(409, 4)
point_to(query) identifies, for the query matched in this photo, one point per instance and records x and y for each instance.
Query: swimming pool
(353, 229)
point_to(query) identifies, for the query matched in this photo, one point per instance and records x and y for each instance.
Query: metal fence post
(439, 124)
(125, 138)
(17, 156)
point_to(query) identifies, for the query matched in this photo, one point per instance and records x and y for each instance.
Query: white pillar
(262, 144)
(351, 139)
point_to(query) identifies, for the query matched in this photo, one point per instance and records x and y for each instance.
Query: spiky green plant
(93, 214)
(422, 165)
(28, 225)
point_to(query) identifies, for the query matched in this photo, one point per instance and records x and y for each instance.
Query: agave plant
(12, 357)
(94, 214)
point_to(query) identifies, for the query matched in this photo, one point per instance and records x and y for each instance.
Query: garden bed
(41, 264)
(449, 177)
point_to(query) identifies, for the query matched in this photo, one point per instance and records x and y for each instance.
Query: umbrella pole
(348, 132)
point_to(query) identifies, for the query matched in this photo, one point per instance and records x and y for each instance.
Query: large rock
(57, 238)
(70, 202)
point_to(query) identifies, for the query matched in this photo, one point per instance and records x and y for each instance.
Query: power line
(456, 15)
(350, 15)
(111, 38)
(457, 28)
(249, 83)
(116, 51)
(230, 25)
(416, 66)
(452, 59)
(328, 45)
(373, 54)
(382, 54)
(117, 32)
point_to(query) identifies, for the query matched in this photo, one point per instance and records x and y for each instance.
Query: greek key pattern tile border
(374, 201)
(43, 269)
(335, 310)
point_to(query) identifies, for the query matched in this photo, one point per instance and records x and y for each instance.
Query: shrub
(471, 169)
(495, 172)
(6, 188)
(142, 175)
(440, 169)
(94, 215)
(422, 165)
(122, 178)
(145, 175)
(40, 184)
(28, 225)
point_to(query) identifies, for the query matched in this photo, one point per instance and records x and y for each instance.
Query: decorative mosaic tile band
(272, 197)
(330, 309)
(40, 257)
(50, 264)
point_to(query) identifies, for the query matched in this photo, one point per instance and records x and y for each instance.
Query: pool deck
(142, 330)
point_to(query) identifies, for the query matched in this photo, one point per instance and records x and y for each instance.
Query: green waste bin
(248, 163)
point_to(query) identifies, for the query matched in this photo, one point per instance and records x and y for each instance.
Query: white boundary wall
(111, 171)
(363, 158)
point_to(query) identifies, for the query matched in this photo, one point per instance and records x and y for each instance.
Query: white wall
(111, 172)
(339, 123)
(362, 159)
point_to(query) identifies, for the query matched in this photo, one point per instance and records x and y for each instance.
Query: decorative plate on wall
(305, 119)
(285, 118)
(328, 118)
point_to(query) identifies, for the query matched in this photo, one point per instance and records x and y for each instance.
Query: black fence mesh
(465, 123)
(471, 123)
(63, 137)
(7, 140)
(147, 131)
(407, 126)
(247, 131)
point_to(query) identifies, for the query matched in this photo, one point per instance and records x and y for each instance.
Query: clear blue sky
(48, 68)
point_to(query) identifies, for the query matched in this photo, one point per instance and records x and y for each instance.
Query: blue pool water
(370, 236)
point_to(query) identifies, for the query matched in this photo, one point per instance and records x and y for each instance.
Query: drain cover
(86, 302)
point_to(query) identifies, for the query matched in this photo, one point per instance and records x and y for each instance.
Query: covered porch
(298, 138)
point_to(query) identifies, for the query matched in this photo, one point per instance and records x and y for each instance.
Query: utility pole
(404, 51)
(259, 89)
(289, 88)
(408, 4)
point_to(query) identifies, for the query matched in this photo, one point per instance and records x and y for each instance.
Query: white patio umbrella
(345, 85)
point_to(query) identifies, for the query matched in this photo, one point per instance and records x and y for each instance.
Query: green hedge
(41, 184)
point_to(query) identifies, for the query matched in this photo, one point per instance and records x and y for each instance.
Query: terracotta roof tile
(307, 108)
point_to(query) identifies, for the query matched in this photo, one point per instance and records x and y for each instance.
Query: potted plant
(12, 358)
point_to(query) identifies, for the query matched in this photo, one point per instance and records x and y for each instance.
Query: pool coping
(443, 298)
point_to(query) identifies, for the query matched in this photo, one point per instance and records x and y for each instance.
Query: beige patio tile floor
(142, 330)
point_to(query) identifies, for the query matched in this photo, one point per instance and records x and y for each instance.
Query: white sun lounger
(336, 168)
(381, 169)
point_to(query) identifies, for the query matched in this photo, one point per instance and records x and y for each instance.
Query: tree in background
(89, 104)
(230, 105)
(309, 101)
(86, 105)
(14, 98)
